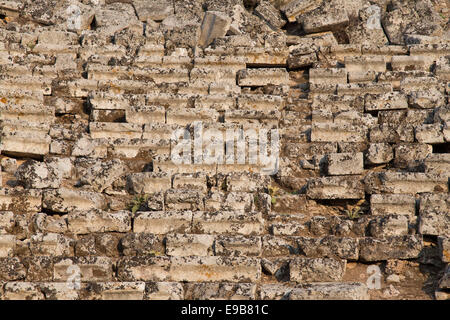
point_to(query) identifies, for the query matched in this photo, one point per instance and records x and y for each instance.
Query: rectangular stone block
(262, 77)
(335, 188)
(345, 163)
(438, 163)
(306, 270)
(386, 204)
(66, 200)
(327, 76)
(189, 245)
(397, 247)
(148, 182)
(365, 63)
(294, 8)
(408, 63)
(89, 268)
(7, 245)
(19, 200)
(235, 246)
(83, 222)
(191, 181)
(111, 130)
(331, 291)
(228, 222)
(434, 212)
(406, 182)
(387, 101)
(145, 114)
(337, 132)
(160, 222)
(208, 269)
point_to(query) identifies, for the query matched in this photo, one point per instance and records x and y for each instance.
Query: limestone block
(100, 130)
(434, 214)
(408, 63)
(160, 222)
(331, 291)
(155, 10)
(335, 188)
(11, 269)
(22, 291)
(90, 268)
(164, 291)
(271, 15)
(438, 163)
(329, 246)
(327, 76)
(405, 182)
(233, 269)
(189, 245)
(262, 77)
(387, 226)
(345, 163)
(51, 244)
(337, 132)
(228, 222)
(389, 101)
(306, 270)
(215, 25)
(66, 200)
(148, 182)
(365, 63)
(294, 8)
(235, 246)
(7, 245)
(191, 181)
(140, 244)
(83, 222)
(379, 153)
(430, 133)
(12, 199)
(38, 175)
(397, 247)
(220, 291)
(387, 204)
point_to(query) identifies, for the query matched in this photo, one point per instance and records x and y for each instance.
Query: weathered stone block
(379, 153)
(228, 222)
(345, 163)
(189, 245)
(262, 77)
(393, 225)
(160, 222)
(331, 291)
(237, 246)
(66, 200)
(233, 269)
(83, 222)
(215, 25)
(397, 247)
(11, 269)
(90, 268)
(335, 188)
(306, 270)
(148, 182)
(386, 204)
(220, 291)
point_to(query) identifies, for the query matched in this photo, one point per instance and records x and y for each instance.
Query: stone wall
(94, 207)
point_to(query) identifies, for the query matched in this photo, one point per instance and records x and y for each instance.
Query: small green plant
(137, 202)
(155, 253)
(273, 192)
(354, 212)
